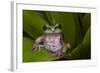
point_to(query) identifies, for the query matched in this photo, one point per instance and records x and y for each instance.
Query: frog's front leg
(38, 44)
(67, 49)
(68, 52)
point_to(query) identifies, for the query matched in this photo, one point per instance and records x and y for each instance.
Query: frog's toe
(34, 49)
(58, 54)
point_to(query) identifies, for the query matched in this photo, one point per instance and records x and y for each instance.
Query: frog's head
(52, 29)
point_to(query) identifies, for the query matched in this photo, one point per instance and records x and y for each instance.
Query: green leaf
(33, 23)
(83, 50)
(50, 18)
(86, 45)
(86, 22)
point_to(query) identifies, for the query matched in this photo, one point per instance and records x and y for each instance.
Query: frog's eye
(58, 26)
(45, 27)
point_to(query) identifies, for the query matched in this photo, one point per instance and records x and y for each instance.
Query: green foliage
(83, 50)
(75, 27)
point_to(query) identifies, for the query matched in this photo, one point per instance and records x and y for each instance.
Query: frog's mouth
(55, 33)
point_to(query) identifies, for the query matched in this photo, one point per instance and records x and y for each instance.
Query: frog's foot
(68, 49)
(68, 45)
(69, 54)
(58, 54)
(34, 47)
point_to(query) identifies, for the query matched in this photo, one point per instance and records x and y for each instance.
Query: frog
(52, 40)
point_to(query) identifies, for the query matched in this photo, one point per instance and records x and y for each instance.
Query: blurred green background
(75, 26)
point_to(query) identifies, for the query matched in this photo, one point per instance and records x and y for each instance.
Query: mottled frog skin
(53, 42)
